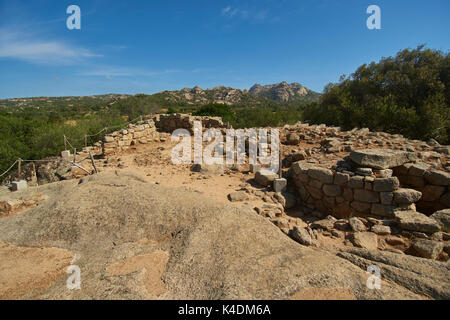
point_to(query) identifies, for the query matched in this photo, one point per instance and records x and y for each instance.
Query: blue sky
(149, 46)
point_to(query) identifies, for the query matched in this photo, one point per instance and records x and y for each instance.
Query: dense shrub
(406, 94)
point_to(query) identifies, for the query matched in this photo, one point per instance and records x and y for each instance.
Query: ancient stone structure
(150, 129)
(372, 187)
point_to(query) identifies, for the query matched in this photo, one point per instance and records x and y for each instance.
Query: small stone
(443, 218)
(386, 184)
(357, 225)
(19, 185)
(321, 174)
(427, 248)
(381, 230)
(416, 221)
(366, 240)
(302, 236)
(332, 190)
(436, 177)
(406, 196)
(279, 184)
(238, 196)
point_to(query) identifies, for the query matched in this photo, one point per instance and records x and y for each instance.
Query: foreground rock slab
(382, 158)
(428, 277)
(118, 224)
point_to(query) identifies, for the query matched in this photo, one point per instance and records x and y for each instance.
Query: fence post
(280, 163)
(85, 141)
(74, 155)
(19, 170)
(65, 143)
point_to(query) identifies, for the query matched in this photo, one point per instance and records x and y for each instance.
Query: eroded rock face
(118, 224)
(416, 221)
(382, 158)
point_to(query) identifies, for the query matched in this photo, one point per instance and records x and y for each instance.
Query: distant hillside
(277, 96)
(279, 93)
(284, 92)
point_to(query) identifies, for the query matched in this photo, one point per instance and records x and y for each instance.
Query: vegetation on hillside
(406, 94)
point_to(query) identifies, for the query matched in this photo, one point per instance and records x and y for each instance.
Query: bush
(406, 94)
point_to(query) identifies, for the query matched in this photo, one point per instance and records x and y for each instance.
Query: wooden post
(85, 141)
(93, 162)
(280, 173)
(19, 170)
(65, 143)
(74, 155)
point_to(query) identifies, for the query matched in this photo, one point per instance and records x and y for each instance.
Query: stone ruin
(153, 128)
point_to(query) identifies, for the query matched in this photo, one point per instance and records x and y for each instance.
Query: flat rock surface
(137, 240)
(382, 158)
(423, 276)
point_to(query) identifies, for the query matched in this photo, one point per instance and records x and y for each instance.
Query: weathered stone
(332, 190)
(265, 178)
(416, 221)
(321, 174)
(395, 241)
(431, 192)
(382, 210)
(19, 185)
(314, 192)
(437, 177)
(303, 178)
(386, 184)
(365, 196)
(413, 181)
(279, 184)
(386, 198)
(347, 194)
(384, 173)
(428, 248)
(418, 169)
(302, 236)
(445, 199)
(341, 178)
(366, 240)
(381, 229)
(356, 182)
(315, 183)
(357, 225)
(301, 167)
(382, 158)
(443, 218)
(362, 207)
(364, 171)
(292, 138)
(326, 224)
(238, 196)
(406, 196)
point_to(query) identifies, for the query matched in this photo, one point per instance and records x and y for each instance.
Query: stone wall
(150, 129)
(433, 184)
(372, 182)
(140, 133)
(170, 122)
(348, 194)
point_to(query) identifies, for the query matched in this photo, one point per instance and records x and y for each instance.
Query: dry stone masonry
(152, 128)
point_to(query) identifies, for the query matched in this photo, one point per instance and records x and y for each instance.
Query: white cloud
(230, 12)
(25, 47)
(111, 72)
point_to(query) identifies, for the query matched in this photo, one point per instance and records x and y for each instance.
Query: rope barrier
(1, 175)
(66, 139)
